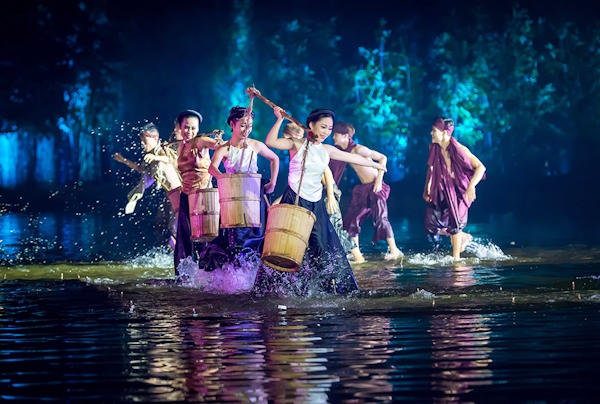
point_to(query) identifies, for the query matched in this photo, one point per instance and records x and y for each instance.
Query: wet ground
(89, 311)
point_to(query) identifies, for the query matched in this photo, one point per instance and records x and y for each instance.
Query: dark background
(520, 80)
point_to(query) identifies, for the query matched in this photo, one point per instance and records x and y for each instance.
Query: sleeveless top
(316, 163)
(193, 165)
(232, 162)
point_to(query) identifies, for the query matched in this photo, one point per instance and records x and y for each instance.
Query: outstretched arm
(470, 195)
(337, 154)
(134, 166)
(207, 142)
(216, 162)
(272, 140)
(267, 153)
(373, 155)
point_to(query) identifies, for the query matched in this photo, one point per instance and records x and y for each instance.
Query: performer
(159, 165)
(193, 163)
(368, 198)
(325, 261)
(231, 242)
(232, 151)
(175, 137)
(452, 176)
(332, 200)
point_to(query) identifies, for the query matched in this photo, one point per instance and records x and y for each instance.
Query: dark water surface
(89, 312)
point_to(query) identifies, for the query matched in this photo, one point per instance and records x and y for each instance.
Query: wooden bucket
(288, 229)
(204, 214)
(239, 197)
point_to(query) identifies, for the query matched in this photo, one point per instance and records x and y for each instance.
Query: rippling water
(517, 321)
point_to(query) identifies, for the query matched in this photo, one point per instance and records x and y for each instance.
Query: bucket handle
(267, 201)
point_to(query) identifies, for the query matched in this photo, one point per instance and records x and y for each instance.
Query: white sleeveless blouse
(317, 161)
(232, 163)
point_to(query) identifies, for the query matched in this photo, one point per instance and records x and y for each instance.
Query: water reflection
(229, 360)
(366, 352)
(296, 363)
(225, 362)
(154, 360)
(460, 347)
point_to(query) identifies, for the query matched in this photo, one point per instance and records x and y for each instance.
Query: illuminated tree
(384, 98)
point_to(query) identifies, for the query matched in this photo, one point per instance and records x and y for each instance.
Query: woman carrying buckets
(324, 265)
(193, 163)
(242, 193)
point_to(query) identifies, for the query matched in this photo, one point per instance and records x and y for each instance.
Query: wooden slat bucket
(204, 214)
(239, 197)
(286, 238)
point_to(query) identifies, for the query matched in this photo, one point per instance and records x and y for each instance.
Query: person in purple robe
(453, 174)
(369, 198)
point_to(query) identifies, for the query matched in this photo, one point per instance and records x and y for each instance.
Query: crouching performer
(159, 166)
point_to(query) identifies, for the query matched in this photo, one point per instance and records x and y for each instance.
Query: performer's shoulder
(255, 143)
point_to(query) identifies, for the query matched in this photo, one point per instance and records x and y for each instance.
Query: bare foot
(359, 260)
(466, 239)
(358, 257)
(393, 255)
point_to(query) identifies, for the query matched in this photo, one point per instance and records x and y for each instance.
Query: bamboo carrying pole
(252, 91)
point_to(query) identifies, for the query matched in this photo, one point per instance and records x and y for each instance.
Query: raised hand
(251, 91)
(279, 113)
(149, 158)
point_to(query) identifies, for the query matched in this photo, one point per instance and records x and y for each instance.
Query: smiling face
(322, 128)
(242, 128)
(189, 127)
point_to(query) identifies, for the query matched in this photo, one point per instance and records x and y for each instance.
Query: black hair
(237, 113)
(189, 113)
(446, 121)
(318, 114)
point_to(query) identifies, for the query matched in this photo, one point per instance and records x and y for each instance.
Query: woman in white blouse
(325, 266)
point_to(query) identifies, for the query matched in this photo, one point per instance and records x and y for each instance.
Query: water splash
(486, 250)
(157, 257)
(422, 294)
(230, 279)
(431, 259)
